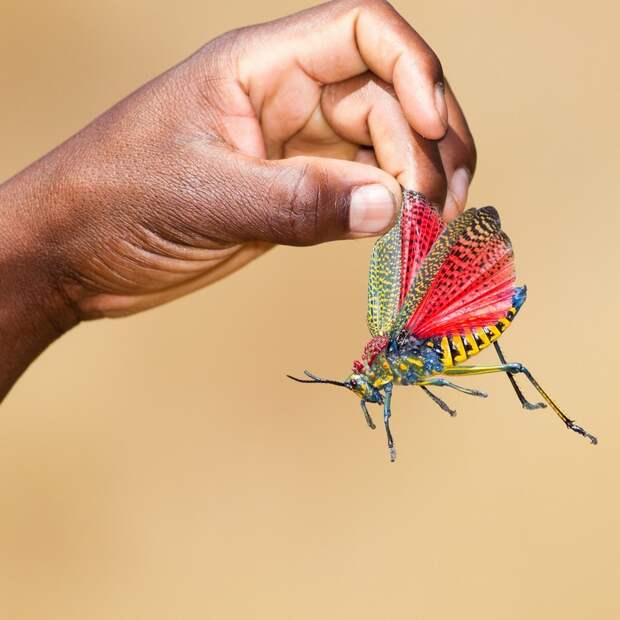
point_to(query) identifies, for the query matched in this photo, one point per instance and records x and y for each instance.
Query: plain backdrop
(162, 466)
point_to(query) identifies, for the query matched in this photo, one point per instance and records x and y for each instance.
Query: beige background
(162, 466)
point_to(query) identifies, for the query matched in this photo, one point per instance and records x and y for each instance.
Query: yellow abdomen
(457, 348)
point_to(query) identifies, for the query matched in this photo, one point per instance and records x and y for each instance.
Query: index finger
(342, 39)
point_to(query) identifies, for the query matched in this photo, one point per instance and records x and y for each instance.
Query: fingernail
(440, 104)
(372, 209)
(459, 186)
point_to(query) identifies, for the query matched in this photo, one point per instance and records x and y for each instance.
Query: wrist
(34, 311)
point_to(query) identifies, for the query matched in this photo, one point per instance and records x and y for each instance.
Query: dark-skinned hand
(296, 132)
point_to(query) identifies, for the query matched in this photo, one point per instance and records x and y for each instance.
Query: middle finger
(365, 110)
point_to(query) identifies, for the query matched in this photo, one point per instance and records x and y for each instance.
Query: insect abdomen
(457, 348)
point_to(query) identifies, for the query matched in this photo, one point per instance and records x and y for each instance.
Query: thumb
(308, 200)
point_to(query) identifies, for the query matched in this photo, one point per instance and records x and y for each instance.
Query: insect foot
(479, 393)
(531, 406)
(582, 431)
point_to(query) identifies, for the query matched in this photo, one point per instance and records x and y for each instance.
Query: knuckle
(220, 56)
(430, 64)
(372, 6)
(306, 202)
(292, 205)
(225, 42)
(380, 5)
(299, 215)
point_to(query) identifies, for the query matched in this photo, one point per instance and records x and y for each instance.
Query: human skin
(295, 132)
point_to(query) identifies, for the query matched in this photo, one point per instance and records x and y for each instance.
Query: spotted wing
(466, 281)
(397, 257)
(384, 281)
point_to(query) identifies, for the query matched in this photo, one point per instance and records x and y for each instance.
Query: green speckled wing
(384, 281)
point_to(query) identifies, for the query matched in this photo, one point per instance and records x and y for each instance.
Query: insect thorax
(403, 361)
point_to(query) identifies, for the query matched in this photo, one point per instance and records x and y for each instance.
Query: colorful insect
(437, 295)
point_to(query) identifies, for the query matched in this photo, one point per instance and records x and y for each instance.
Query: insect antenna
(315, 379)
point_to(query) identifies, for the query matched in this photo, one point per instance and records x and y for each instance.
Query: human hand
(263, 136)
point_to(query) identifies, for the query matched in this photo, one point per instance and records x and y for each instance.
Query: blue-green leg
(526, 404)
(387, 413)
(441, 382)
(367, 415)
(517, 368)
(444, 406)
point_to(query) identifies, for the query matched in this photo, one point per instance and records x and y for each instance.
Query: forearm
(33, 309)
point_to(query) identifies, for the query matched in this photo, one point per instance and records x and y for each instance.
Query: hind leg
(526, 404)
(516, 368)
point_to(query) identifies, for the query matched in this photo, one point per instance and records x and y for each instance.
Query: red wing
(421, 224)
(475, 282)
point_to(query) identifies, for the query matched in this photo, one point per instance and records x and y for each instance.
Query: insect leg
(515, 368)
(387, 412)
(441, 382)
(367, 415)
(524, 402)
(439, 402)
